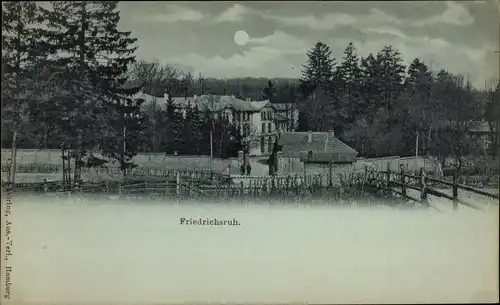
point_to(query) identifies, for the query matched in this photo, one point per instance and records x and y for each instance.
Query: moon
(241, 38)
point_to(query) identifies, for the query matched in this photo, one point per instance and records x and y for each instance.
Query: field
(137, 252)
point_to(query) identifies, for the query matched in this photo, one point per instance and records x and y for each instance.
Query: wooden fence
(400, 182)
(187, 174)
(184, 185)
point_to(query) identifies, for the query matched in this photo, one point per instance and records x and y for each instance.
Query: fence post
(423, 185)
(388, 176)
(330, 183)
(455, 191)
(178, 184)
(45, 186)
(403, 186)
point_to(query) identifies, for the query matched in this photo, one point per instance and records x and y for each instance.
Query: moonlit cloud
(177, 13)
(455, 14)
(233, 14)
(326, 22)
(282, 42)
(388, 31)
(458, 36)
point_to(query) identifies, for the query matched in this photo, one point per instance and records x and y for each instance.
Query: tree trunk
(78, 150)
(428, 142)
(45, 136)
(16, 102)
(13, 156)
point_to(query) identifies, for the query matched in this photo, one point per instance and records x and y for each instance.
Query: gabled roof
(259, 105)
(205, 102)
(324, 145)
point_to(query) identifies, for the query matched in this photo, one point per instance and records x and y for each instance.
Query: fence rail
(423, 183)
(184, 185)
(141, 171)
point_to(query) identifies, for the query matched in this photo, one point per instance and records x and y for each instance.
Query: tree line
(381, 107)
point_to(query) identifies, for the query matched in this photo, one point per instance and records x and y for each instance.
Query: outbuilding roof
(324, 147)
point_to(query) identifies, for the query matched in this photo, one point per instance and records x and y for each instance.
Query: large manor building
(260, 122)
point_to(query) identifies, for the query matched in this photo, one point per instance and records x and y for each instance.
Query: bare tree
(249, 136)
(453, 138)
(157, 78)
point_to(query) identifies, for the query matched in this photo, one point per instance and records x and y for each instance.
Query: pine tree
(176, 142)
(391, 75)
(319, 101)
(18, 60)
(123, 134)
(269, 92)
(347, 78)
(84, 43)
(192, 131)
(422, 110)
(371, 90)
(419, 78)
(319, 70)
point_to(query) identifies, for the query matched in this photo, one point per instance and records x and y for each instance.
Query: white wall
(33, 156)
(292, 165)
(411, 164)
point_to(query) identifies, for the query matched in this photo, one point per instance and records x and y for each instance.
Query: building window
(262, 116)
(269, 128)
(270, 145)
(263, 127)
(262, 147)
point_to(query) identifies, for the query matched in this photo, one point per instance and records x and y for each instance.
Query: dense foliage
(69, 84)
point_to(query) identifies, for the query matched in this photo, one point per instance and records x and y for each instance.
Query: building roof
(150, 100)
(480, 127)
(469, 126)
(283, 106)
(205, 102)
(324, 147)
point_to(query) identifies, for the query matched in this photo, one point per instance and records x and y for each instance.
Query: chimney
(332, 133)
(309, 137)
